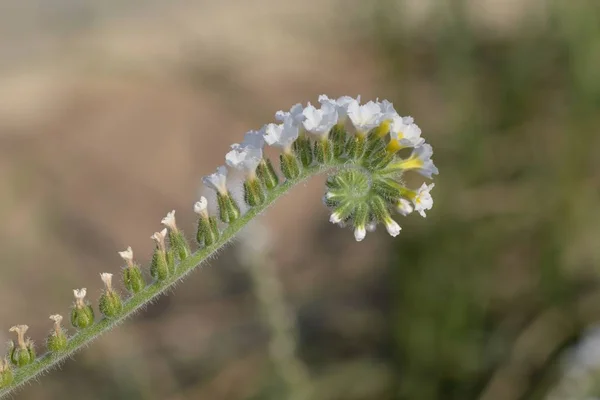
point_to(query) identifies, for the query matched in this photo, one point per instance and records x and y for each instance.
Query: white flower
(255, 139)
(371, 226)
(200, 207)
(244, 158)
(294, 116)
(282, 135)
(218, 180)
(335, 218)
(423, 200)
(159, 238)
(127, 255)
(169, 221)
(388, 112)
(364, 117)
(404, 207)
(57, 318)
(405, 133)
(423, 153)
(107, 279)
(360, 233)
(341, 105)
(320, 122)
(20, 329)
(392, 227)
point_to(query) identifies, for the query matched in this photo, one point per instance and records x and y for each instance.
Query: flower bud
(254, 194)
(110, 303)
(57, 339)
(323, 150)
(266, 173)
(82, 313)
(303, 150)
(289, 165)
(23, 352)
(228, 208)
(338, 138)
(355, 147)
(131, 274)
(160, 265)
(6, 374)
(178, 242)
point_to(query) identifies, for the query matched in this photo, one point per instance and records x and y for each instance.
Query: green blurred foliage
(490, 290)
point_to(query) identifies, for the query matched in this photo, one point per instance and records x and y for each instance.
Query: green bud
(374, 148)
(170, 257)
(110, 303)
(266, 173)
(159, 267)
(57, 339)
(82, 313)
(6, 374)
(228, 208)
(355, 146)
(132, 275)
(133, 279)
(289, 165)
(253, 192)
(180, 246)
(341, 212)
(338, 138)
(388, 189)
(23, 352)
(380, 209)
(303, 150)
(323, 151)
(361, 215)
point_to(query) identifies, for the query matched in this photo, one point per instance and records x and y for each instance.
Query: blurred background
(112, 111)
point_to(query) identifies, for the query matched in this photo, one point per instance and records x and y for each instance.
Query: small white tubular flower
(341, 105)
(127, 255)
(218, 180)
(364, 117)
(107, 279)
(201, 207)
(423, 200)
(244, 158)
(320, 122)
(392, 227)
(405, 133)
(255, 139)
(335, 218)
(80, 296)
(282, 135)
(359, 233)
(57, 318)
(404, 207)
(295, 116)
(387, 110)
(423, 154)
(169, 221)
(159, 237)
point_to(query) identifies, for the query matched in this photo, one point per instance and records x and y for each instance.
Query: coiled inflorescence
(361, 143)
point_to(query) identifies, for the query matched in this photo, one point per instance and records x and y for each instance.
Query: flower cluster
(363, 144)
(363, 140)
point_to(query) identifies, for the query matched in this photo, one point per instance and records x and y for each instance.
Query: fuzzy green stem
(139, 300)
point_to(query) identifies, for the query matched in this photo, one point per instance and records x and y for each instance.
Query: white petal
(392, 227)
(127, 255)
(201, 206)
(360, 233)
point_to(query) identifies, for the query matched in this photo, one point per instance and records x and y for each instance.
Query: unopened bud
(82, 313)
(110, 303)
(57, 339)
(303, 150)
(160, 266)
(266, 173)
(289, 165)
(6, 374)
(178, 242)
(323, 150)
(131, 274)
(254, 194)
(338, 138)
(228, 208)
(23, 352)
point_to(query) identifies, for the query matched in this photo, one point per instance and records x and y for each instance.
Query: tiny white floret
(360, 233)
(392, 227)
(107, 279)
(341, 105)
(57, 318)
(294, 116)
(244, 158)
(320, 121)
(364, 117)
(335, 218)
(282, 135)
(404, 207)
(169, 221)
(405, 133)
(127, 255)
(217, 180)
(423, 200)
(200, 207)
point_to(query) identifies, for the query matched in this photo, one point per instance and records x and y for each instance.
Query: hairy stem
(85, 336)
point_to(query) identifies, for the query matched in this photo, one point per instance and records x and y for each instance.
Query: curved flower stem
(137, 301)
